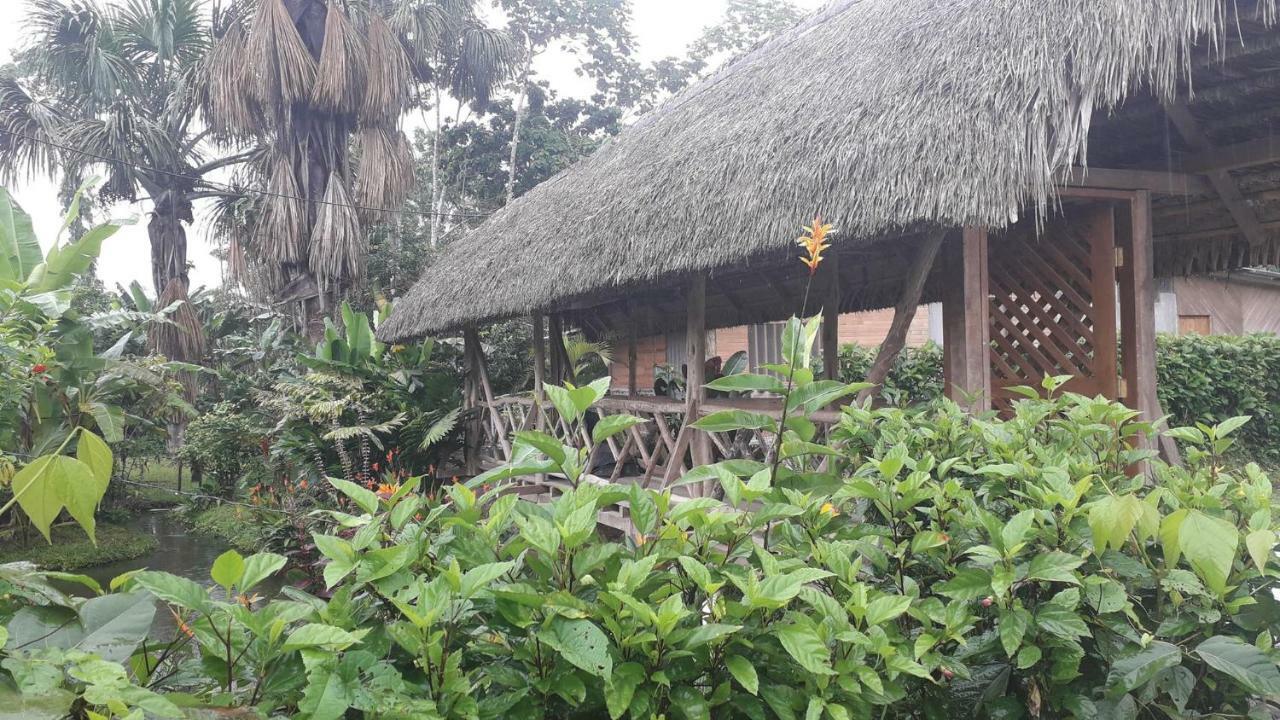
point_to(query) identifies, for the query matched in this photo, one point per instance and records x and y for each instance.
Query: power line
(231, 189)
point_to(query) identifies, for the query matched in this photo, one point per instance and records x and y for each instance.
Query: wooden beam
(904, 312)
(555, 341)
(632, 390)
(1189, 128)
(1251, 153)
(787, 298)
(1158, 182)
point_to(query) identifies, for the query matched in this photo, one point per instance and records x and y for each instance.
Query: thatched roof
(882, 115)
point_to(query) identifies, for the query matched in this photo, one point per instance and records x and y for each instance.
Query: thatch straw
(285, 70)
(341, 76)
(386, 168)
(182, 337)
(281, 231)
(386, 93)
(878, 114)
(338, 247)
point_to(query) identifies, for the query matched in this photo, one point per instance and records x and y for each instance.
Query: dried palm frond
(386, 92)
(181, 337)
(285, 69)
(280, 236)
(340, 78)
(338, 246)
(229, 107)
(386, 168)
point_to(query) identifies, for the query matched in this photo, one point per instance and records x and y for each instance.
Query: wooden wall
(1230, 307)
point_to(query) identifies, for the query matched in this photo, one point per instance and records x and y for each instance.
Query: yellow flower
(814, 243)
(829, 509)
(640, 539)
(397, 348)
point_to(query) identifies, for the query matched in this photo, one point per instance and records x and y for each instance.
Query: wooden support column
(696, 357)
(632, 389)
(831, 319)
(904, 312)
(1137, 317)
(539, 355)
(1102, 272)
(471, 404)
(966, 322)
(555, 338)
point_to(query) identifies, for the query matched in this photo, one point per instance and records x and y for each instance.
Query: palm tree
(113, 89)
(321, 87)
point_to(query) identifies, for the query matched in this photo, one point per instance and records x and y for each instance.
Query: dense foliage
(912, 563)
(916, 375)
(1211, 378)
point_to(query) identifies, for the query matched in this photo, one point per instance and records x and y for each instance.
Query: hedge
(1205, 378)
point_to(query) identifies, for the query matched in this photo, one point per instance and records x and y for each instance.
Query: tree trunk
(519, 121)
(437, 193)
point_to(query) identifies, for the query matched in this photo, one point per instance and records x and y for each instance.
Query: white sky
(661, 27)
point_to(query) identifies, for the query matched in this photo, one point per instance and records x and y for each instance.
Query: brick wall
(650, 351)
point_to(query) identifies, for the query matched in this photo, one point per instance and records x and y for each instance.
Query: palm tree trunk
(519, 121)
(437, 193)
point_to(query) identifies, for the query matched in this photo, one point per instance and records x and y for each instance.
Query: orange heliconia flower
(386, 490)
(814, 243)
(182, 625)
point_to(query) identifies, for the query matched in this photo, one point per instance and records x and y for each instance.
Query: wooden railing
(656, 452)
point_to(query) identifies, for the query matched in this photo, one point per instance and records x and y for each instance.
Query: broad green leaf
(1170, 527)
(1209, 544)
(479, 577)
(1055, 566)
(228, 569)
(174, 590)
(1245, 663)
(1112, 519)
(1230, 425)
(726, 420)
(705, 633)
(359, 335)
(643, 510)
(611, 425)
(744, 672)
(1260, 544)
(748, 382)
(540, 534)
(40, 492)
(1132, 672)
(319, 635)
(581, 643)
(621, 688)
(1015, 531)
(259, 567)
(64, 263)
(19, 248)
(364, 498)
(110, 420)
(92, 451)
(801, 641)
(562, 400)
(689, 703)
(1013, 628)
(886, 608)
(111, 626)
(968, 584)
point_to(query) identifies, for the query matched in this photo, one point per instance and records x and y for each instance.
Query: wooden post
(1137, 317)
(966, 322)
(696, 357)
(555, 338)
(482, 374)
(471, 405)
(632, 389)
(1102, 272)
(539, 356)
(904, 312)
(831, 320)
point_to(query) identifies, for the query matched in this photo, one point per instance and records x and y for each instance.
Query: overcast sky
(662, 28)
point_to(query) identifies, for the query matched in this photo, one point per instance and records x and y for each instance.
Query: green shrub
(915, 563)
(916, 376)
(1211, 378)
(224, 445)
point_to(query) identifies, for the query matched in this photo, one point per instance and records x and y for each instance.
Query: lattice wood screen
(1053, 306)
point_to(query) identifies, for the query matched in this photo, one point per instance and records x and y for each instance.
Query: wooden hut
(1030, 164)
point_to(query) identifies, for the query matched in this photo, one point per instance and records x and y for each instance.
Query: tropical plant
(113, 89)
(320, 87)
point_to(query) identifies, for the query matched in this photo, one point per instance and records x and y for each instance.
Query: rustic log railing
(657, 451)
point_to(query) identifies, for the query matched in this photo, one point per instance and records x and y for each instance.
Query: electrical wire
(232, 190)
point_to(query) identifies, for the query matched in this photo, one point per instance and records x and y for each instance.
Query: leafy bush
(223, 445)
(916, 376)
(1212, 378)
(911, 563)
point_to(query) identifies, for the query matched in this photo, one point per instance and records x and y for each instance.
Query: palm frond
(386, 172)
(284, 69)
(386, 93)
(487, 57)
(343, 68)
(338, 246)
(440, 429)
(282, 225)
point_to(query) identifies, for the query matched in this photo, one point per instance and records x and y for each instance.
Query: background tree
(320, 87)
(111, 90)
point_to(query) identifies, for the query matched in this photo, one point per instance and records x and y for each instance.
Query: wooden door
(1053, 305)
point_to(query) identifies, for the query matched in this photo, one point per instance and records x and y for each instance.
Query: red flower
(38, 368)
